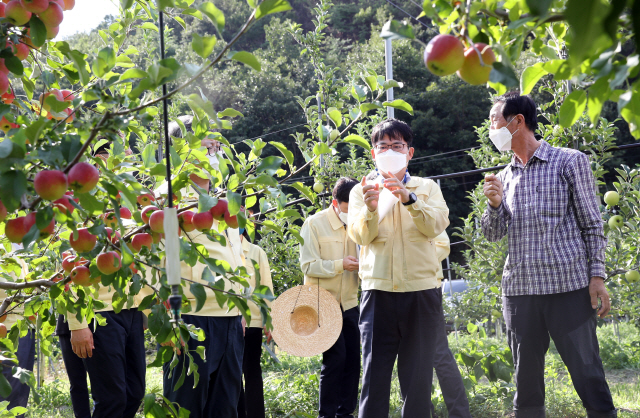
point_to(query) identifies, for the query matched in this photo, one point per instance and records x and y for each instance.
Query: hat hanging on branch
(307, 320)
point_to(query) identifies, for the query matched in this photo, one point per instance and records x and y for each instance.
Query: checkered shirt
(555, 231)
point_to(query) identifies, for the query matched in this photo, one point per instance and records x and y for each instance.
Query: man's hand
(244, 326)
(493, 190)
(268, 335)
(598, 291)
(172, 344)
(396, 187)
(350, 263)
(82, 342)
(371, 194)
(211, 145)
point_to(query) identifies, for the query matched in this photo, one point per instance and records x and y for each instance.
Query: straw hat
(296, 315)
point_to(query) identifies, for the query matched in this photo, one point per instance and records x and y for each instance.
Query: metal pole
(388, 61)
(319, 100)
(455, 324)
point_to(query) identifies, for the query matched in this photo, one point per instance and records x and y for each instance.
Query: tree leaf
(133, 73)
(206, 202)
(572, 108)
(197, 290)
(149, 25)
(272, 6)
(213, 13)
(306, 191)
(234, 201)
(538, 7)
(530, 77)
(270, 165)
(396, 30)
(358, 140)
(288, 155)
(203, 45)
(504, 75)
(321, 148)
(13, 184)
(399, 104)
(230, 112)
(585, 19)
(335, 116)
(5, 387)
(247, 58)
(38, 31)
(599, 93)
(629, 108)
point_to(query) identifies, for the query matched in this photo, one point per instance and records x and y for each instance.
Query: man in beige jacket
(395, 218)
(328, 258)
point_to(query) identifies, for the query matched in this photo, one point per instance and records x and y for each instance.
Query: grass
(291, 386)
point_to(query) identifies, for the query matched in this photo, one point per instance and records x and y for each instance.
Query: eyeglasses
(395, 147)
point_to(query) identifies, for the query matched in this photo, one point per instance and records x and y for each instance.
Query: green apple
(334, 134)
(632, 276)
(495, 161)
(496, 313)
(616, 221)
(318, 187)
(611, 198)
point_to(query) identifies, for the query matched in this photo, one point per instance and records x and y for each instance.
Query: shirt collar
(334, 220)
(543, 153)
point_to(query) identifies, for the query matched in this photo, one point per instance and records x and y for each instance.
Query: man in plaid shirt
(545, 202)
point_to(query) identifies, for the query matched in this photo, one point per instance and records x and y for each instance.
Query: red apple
(3, 212)
(109, 262)
(146, 199)
(141, 240)
(83, 177)
(444, 55)
(110, 219)
(133, 268)
(156, 236)
(472, 71)
(202, 221)
(30, 220)
(67, 95)
(185, 219)
(156, 221)
(16, 13)
(68, 264)
(69, 4)
(113, 239)
(146, 212)
(50, 184)
(3, 68)
(2, 6)
(64, 205)
(8, 98)
(3, 318)
(52, 16)
(21, 51)
(125, 213)
(4, 83)
(15, 229)
(85, 241)
(52, 32)
(35, 6)
(219, 209)
(231, 221)
(81, 276)
(3, 330)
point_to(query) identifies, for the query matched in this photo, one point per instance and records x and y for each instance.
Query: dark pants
(26, 358)
(340, 372)
(218, 390)
(399, 325)
(78, 388)
(451, 385)
(117, 366)
(251, 404)
(569, 319)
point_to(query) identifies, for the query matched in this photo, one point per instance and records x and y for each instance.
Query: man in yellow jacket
(328, 258)
(395, 218)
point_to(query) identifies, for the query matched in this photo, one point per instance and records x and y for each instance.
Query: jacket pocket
(331, 248)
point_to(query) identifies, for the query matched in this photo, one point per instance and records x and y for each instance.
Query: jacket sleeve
(430, 213)
(311, 263)
(443, 246)
(585, 202)
(363, 224)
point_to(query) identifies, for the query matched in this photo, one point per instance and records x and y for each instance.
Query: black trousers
(569, 319)
(26, 358)
(251, 404)
(78, 388)
(117, 366)
(399, 325)
(340, 373)
(446, 367)
(218, 390)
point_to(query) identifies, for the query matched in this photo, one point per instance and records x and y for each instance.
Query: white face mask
(213, 159)
(391, 161)
(344, 217)
(501, 138)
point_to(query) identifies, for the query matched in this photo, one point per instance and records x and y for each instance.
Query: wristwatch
(412, 199)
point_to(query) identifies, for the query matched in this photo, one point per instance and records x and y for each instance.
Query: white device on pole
(172, 246)
(388, 61)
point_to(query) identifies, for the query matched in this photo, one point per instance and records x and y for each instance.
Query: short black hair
(516, 104)
(393, 128)
(342, 189)
(104, 148)
(175, 130)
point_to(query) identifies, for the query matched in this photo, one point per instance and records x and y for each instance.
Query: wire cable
(270, 133)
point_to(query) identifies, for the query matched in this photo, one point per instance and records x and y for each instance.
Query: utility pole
(388, 60)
